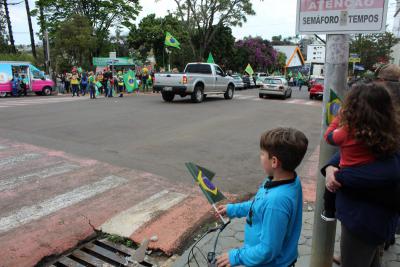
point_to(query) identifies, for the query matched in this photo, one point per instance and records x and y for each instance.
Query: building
(316, 53)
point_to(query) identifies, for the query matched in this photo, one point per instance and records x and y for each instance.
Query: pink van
(36, 80)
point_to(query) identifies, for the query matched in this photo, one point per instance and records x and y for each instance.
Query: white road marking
(41, 101)
(15, 159)
(3, 147)
(35, 212)
(244, 96)
(128, 221)
(13, 182)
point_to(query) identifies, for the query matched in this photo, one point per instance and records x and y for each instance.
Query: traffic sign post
(337, 19)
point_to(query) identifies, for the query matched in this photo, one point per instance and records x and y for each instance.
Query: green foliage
(4, 47)
(18, 57)
(373, 48)
(281, 60)
(121, 240)
(149, 37)
(74, 42)
(101, 14)
(201, 18)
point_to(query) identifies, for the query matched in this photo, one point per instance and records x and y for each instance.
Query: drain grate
(103, 253)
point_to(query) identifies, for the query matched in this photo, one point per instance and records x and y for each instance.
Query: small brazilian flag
(249, 69)
(171, 41)
(130, 81)
(332, 107)
(203, 178)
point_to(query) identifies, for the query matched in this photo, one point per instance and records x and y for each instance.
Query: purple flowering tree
(256, 51)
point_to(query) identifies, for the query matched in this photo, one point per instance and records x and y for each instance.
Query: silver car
(275, 86)
(237, 80)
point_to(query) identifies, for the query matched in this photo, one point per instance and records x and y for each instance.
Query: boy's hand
(223, 260)
(331, 183)
(221, 210)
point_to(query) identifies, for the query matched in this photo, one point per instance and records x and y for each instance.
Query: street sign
(354, 60)
(341, 16)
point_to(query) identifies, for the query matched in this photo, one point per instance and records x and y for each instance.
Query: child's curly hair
(370, 114)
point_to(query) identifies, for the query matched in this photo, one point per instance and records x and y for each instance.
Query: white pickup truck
(198, 80)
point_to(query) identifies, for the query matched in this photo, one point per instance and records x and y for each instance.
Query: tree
(277, 40)
(28, 14)
(101, 14)
(222, 47)
(259, 53)
(73, 43)
(149, 38)
(201, 17)
(10, 32)
(373, 48)
(4, 47)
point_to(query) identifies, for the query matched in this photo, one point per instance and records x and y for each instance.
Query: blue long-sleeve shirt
(271, 239)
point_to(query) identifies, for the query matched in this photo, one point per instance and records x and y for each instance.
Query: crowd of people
(107, 82)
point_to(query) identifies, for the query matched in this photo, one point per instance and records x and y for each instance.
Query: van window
(198, 68)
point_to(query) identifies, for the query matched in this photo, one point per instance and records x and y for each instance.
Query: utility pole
(48, 61)
(10, 32)
(336, 69)
(43, 29)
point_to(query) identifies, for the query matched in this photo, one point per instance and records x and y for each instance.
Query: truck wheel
(198, 94)
(168, 96)
(46, 91)
(229, 92)
(260, 95)
(3, 94)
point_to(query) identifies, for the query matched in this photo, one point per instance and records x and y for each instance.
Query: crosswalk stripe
(6, 104)
(309, 103)
(127, 222)
(15, 159)
(13, 182)
(47, 207)
(244, 96)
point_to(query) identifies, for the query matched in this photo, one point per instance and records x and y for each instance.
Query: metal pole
(48, 52)
(336, 69)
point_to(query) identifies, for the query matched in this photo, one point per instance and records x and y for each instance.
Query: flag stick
(220, 216)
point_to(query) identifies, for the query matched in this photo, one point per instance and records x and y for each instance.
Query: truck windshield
(198, 68)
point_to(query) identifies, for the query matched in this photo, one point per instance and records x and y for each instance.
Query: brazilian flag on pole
(130, 81)
(171, 41)
(210, 58)
(203, 178)
(332, 107)
(249, 69)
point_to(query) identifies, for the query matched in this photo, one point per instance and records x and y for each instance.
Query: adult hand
(223, 260)
(331, 184)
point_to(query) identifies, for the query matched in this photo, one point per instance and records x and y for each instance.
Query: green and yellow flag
(130, 81)
(210, 58)
(203, 178)
(249, 69)
(332, 107)
(171, 41)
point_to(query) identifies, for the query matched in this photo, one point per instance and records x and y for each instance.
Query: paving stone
(237, 225)
(306, 233)
(302, 240)
(240, 236)
(307, 226)
(228, 232)
(304, 250)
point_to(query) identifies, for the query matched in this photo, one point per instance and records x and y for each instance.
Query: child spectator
(366, 129)
(274, 216)
(84, 83)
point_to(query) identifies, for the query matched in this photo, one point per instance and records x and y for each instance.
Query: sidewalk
(233, 236)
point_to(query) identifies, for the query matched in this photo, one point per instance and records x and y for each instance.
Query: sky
(272, 18)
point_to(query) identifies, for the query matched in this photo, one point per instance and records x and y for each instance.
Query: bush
(18, 57)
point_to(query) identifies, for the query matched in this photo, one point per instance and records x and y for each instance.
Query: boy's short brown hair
(286, 144)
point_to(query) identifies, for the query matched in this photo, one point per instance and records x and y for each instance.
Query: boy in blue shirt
(274, 216)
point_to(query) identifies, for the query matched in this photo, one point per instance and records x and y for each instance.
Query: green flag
(290, 74)
(299, 76)
(171, 41)
(130, 81)
(249, 70)
(332, 107)
(210, 58)
(203, 178)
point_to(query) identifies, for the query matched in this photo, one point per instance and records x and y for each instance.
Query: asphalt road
(145, 133)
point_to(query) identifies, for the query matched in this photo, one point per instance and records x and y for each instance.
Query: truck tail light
(184, 80)
(281, 88)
